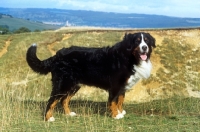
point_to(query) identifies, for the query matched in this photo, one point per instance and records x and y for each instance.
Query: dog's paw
(51, 119)
(123, 112)
(119, 116)
(72, 114)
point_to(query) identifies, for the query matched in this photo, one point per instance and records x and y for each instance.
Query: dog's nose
(144, 48)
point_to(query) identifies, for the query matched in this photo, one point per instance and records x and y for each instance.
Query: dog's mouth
(143, 56)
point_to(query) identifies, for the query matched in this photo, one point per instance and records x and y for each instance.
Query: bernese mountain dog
(115, 69)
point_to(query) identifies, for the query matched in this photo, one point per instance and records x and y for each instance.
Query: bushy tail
(42, 67)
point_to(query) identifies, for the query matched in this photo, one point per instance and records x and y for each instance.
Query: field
(16, 23)
(168, 101)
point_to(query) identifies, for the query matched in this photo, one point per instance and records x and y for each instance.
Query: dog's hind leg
(66, 99)
(53, 100)
(50, 107)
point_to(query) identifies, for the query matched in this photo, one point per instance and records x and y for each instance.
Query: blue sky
(178, 8)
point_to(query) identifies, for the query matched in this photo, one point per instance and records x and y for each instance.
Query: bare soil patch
(51, 46)
(4, 50)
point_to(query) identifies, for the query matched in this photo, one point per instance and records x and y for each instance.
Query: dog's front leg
(113, 106)
(120, 102)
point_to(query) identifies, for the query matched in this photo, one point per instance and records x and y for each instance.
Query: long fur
(109, 68)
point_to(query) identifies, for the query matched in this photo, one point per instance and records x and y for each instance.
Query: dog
(114, 68)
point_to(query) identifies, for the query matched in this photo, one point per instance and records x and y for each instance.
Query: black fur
(107, 68)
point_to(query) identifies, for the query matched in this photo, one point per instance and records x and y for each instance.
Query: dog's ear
(129, 41)
(125, 36)
(152, 40)
(128, 36)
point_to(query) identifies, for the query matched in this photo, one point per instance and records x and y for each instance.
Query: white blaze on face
(143, 55)
(143, 44)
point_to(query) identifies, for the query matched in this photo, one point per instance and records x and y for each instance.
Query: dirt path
(51, 46)
(4, 50)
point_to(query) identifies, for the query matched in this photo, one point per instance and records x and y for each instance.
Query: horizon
(60, 17)
(94, 11)
(172, 8)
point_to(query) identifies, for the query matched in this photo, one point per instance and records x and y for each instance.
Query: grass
(93, 39)
(16, 23)
(3, 39)
(176, 114)
(181, 67)
(24, 94)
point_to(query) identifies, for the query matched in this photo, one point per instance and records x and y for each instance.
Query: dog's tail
(42, 67)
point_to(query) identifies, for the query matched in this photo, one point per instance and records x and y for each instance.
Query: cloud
(100, 5)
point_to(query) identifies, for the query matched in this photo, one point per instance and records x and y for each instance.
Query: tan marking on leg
(50, 111)
(113, 108)
(120, 102)
(65, 104)
(127, 79)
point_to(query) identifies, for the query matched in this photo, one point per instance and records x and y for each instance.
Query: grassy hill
(167, 101)
(16, 23)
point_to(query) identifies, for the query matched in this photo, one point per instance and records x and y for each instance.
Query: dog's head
(140, 45)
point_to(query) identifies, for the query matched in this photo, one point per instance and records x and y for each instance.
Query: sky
(176, 8)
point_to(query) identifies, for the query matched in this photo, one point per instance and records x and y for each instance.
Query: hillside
(16, 23)
(175, 54)
(170, 97)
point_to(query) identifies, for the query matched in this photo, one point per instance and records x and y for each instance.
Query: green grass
(16, 23)
(176, 114)
(24, 94)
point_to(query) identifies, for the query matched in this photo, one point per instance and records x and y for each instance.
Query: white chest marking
(141, 71)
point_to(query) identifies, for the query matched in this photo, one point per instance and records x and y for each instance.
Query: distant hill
(99, 19)
(12, 23)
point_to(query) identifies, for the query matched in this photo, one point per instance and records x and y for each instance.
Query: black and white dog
(115, 69)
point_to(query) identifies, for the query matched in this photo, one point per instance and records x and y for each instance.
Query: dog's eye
(137, 40)
(146, 40)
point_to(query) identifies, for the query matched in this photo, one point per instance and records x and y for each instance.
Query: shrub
(22, 30)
